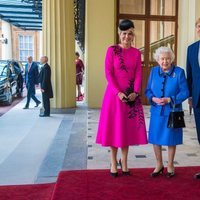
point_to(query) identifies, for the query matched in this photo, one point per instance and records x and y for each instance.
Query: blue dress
(172, 84)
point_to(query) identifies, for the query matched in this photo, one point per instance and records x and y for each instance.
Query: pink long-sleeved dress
(122, 124)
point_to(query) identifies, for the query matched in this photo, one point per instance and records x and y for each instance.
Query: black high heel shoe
(154, 174)
(124, 173)
(170, 174)
(113, 174)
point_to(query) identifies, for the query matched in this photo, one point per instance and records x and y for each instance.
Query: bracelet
(136, 94)
(168, 100)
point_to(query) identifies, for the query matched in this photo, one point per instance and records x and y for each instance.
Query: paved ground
(142, 156)
(34, 150)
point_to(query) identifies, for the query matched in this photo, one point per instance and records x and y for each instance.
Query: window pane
(20, 39)
(163, 7)
(132, 6)
(139, 39)
(162, 33)
(26, 46)
(21, 45)
(26, 39)
(22, 55)
(30, 39)
(31, 53)
(26, 53)
(30, 45)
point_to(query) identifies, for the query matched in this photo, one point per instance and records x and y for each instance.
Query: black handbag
(176, 120)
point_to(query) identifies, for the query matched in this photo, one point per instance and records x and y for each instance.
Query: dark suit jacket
(32, 76)
(193, 73)
(45, 80)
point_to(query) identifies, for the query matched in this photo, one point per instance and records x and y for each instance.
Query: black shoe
(113, 174)
(197, 176)
(124, 173)
(128, 173)
(44, 115)
(26, 107)
(37, 104)
(155, 174)
(170, 174)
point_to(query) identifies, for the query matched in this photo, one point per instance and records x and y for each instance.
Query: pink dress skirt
(122, 124)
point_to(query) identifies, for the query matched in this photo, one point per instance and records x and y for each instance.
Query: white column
(6, 48)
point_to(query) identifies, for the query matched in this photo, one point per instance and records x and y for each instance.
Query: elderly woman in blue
(166, 86)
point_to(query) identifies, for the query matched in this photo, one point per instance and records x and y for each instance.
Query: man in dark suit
(45, 85)
(193, 78)
(31, 79)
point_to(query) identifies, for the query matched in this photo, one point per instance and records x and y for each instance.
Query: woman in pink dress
(121, 121)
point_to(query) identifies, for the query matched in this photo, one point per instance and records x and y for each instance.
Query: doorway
(79, 22)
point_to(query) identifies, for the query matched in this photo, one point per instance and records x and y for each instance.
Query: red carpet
(27, 192)
(98, 185)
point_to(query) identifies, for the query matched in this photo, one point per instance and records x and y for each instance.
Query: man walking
(45, 85)
(31, 79)
(193, 78)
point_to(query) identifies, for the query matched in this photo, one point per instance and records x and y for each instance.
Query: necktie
(29, 67)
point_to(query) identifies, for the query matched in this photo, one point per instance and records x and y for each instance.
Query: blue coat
(31, 77)
(173, 84)
(193, 73)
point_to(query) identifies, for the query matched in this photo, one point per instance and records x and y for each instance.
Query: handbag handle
(174, 104)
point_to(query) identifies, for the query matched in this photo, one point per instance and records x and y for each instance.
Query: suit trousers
(31, 94)
(46, 103)
(197, 120)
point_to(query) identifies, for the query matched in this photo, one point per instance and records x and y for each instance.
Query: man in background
(193, 78)
(31, 80)
(45, 85)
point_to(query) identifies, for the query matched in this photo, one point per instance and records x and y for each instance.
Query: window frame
(24, 48)
(147, 18)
